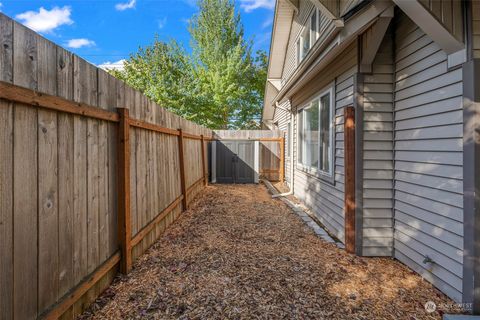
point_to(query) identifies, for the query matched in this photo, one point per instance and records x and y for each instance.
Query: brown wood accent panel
(349, 136)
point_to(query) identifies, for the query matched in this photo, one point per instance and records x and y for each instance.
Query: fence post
(282, 159)
(350, 204)
(182, 169)
(205, 178)
(124, 221)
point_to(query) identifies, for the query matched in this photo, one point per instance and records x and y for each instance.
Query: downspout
(290, 146)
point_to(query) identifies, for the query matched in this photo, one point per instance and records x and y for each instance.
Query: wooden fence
(91, 173)
(271, 153)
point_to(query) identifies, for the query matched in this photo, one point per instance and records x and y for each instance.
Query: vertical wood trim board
(349, 141)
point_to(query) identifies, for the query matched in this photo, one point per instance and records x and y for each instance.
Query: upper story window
(315, 135)
(308, 37)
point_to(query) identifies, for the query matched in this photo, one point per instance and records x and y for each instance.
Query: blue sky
(109, 30)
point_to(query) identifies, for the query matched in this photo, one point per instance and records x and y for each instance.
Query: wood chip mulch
(238, 254)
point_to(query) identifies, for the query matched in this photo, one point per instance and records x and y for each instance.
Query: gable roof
(282, 25)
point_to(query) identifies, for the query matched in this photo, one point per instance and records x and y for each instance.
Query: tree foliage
(220, 84)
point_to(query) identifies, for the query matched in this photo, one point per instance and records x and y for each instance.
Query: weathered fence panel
(68, 214)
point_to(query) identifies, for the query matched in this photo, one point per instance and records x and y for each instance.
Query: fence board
(90, 87)
(107, 101)
(6, 208)
(80, 255)
(6, 172)
(25, 179)
(64, 66)
(47, 180)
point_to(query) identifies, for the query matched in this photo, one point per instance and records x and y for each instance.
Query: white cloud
(162, 23)
(46, 20)
(250, 5)
(185, 20)
(191, 3)
(118, 65)
(267, 23)
(127, 5)
(1, 5)
(80, 43)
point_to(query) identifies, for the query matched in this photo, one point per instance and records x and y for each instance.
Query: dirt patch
(238, 254)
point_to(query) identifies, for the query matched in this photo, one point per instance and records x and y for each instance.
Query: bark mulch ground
(238, 254)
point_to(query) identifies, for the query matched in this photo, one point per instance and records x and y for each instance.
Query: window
(313, 28)
(308, 37)
(315, 135)
(305, 42)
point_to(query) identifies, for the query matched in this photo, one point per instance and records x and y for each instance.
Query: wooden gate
(245, 156)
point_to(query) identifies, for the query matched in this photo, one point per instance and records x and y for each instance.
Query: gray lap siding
(428, 175)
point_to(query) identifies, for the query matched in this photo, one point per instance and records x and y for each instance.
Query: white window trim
(330, 175)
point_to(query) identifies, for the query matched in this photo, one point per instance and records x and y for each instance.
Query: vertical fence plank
(93, 205)
(25, 179)
(124, 191)
(65, 174)
(6, 209)
(129, 99)
(106, 101)
(151, 189)
(141, 155)
(153, 170)
(81, 94)
(161, 176)
(349, 136)
(182, 169)
(6, 172)
(47, 180)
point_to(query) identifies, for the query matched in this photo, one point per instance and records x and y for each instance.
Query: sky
(107, 31)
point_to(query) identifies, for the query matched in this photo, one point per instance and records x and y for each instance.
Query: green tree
(219, 85)
(164, 73)
(225, 68)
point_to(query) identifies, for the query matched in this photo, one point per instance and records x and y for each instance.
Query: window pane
(299, 49)
(306, 42)
(313, 28)
(325, 134)
(311, 135)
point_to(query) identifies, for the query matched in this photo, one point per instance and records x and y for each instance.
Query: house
(379, 104)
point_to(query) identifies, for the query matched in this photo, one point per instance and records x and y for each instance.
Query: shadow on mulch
(238, 254)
